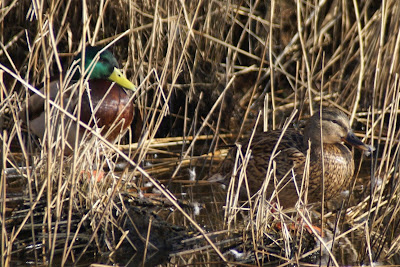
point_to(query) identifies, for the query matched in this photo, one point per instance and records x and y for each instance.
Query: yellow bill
(117, 77)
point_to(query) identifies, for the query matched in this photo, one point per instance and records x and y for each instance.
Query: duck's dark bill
(353, 140)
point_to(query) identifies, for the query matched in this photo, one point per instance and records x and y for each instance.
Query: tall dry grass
(205, 72)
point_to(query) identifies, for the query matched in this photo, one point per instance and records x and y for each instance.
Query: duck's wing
(285, 149)
(287, 156)
(34, 108)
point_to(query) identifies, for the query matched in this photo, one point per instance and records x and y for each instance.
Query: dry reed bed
(205, 71)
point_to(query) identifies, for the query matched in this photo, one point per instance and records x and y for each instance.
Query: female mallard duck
(291, 153)
(103, 103)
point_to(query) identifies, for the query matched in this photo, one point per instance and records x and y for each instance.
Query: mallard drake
(290, 158)
(103, 103)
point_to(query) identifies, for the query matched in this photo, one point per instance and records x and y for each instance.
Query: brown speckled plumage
(291, 155)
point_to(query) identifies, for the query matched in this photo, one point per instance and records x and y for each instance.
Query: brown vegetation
(207, 72)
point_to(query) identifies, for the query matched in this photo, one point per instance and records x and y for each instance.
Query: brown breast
(339, 169)
(112, 108)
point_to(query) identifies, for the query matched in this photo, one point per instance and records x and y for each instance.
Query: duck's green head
(106, 67)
